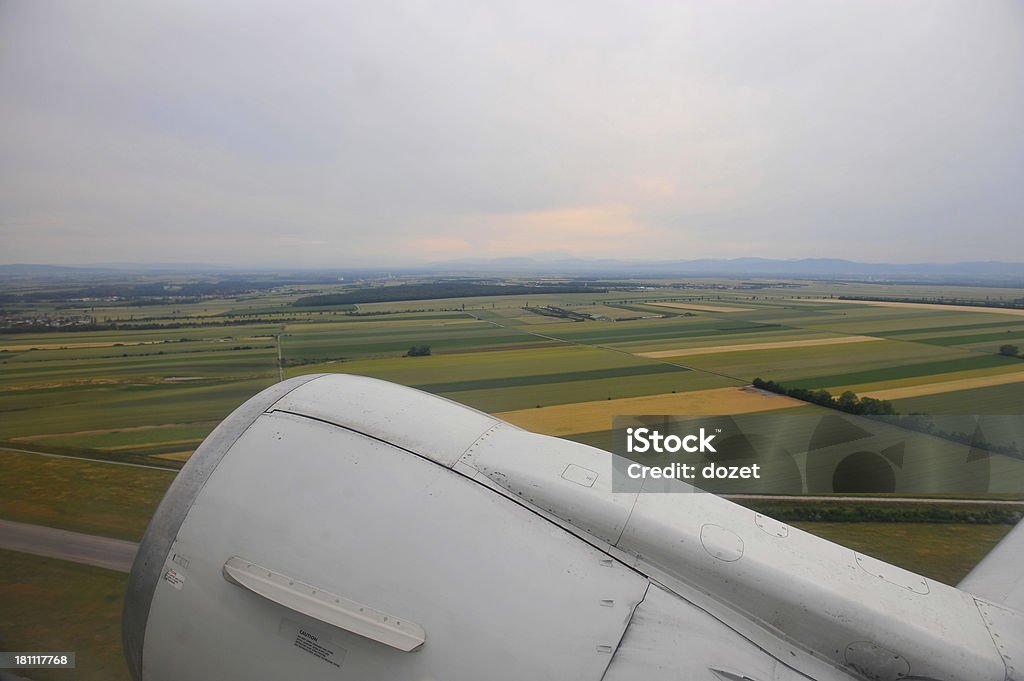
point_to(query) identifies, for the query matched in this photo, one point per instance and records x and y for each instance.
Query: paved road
(112, 554)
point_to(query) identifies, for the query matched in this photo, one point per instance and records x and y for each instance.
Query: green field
(569, 392)
(53, 605)
(492, 365)
(914, 370)
(1000, 399)
(87, 407)
(188, 365)
(943, 552)
(787, 364)
(149, 389)
(82, 496)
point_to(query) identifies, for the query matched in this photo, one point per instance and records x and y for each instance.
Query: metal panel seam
(557, 522)
(618, 644)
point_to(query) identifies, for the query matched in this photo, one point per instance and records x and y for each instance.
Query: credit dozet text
(685, 471)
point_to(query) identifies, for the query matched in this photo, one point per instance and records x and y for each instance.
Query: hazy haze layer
(397, 133)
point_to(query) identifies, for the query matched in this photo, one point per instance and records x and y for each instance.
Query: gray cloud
(346, 133)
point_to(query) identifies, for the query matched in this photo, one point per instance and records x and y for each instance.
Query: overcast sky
(345, 133)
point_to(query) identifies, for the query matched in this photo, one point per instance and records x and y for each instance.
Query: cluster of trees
(886, 513)
(924, 423)
(151, 293)
(131, 325)
(847, 402)
(561, 312)
(418, 351)
(399, 292)
(1015, 304)
(1010, 351)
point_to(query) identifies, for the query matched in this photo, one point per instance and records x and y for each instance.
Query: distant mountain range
(1008, 273)
(33, 270)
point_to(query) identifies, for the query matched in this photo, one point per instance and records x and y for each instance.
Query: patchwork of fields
(595, 416)
(148, 396)
(151, 395)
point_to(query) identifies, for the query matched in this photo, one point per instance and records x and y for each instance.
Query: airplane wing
(342, 527)
(999, 577)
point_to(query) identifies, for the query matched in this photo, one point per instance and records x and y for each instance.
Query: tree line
(848, 402)
(399, 292)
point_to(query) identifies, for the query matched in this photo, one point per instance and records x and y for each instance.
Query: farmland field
(921, 306)
(703, 308)
(81, 496)
(55, 605)
(149, 386)
(943, 552)
(144, 383)
(769, 345)
(589, 417)
(951, 386)
(1002, 399)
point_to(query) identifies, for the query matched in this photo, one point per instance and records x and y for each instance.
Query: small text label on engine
(313, 641)
(174, 578)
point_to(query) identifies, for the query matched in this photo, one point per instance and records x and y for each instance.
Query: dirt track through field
(715, 349)
(589, 417)
(922, 306)
(701, 308)
(945, 386)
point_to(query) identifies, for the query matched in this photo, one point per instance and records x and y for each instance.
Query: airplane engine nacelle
(341, 527)
(321, 532)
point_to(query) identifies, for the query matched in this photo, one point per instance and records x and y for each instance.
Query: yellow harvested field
(702, 308)
(716, 349)
(946, 386)
(589, 417)
(71, 346)
(176, 456)
(914, 381)
(922, 306)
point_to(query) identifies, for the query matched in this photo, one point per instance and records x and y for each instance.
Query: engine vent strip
(327, 607)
